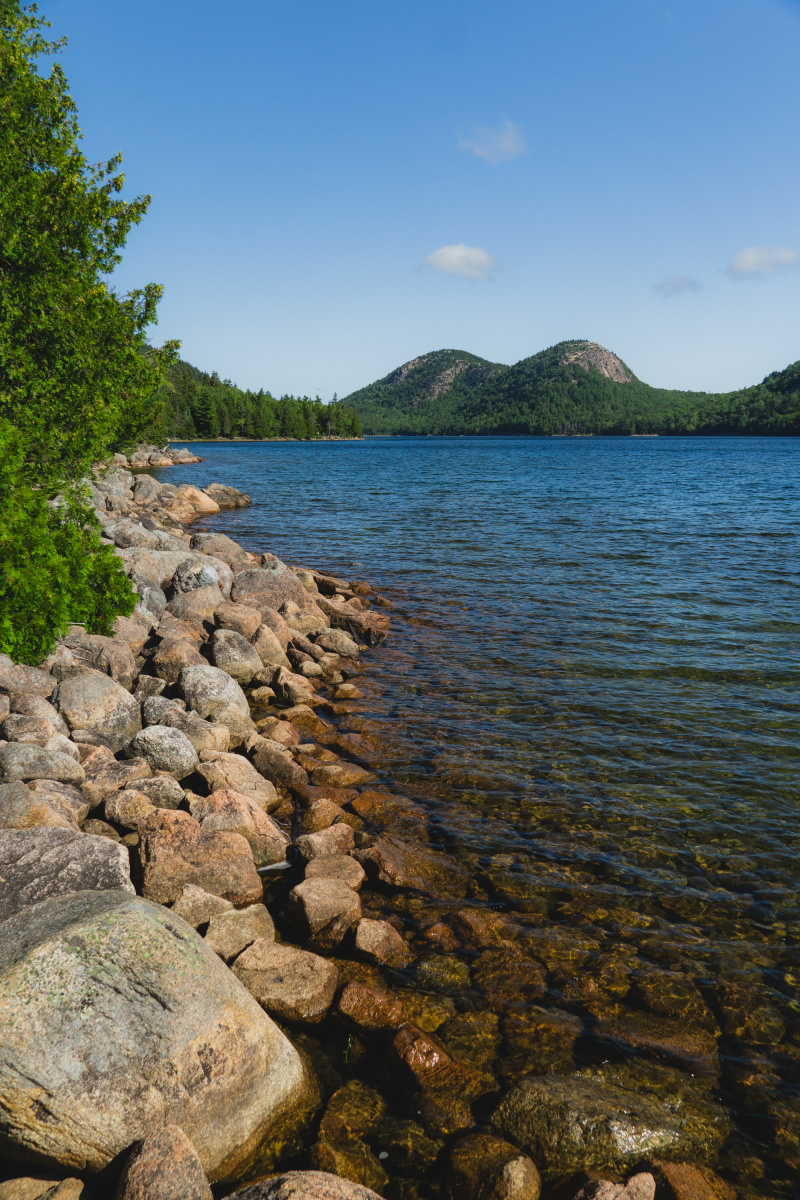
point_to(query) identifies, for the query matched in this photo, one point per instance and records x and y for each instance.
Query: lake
(591, 686)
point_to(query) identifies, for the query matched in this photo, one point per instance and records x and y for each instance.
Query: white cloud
(755, 262)
(495, 145)
(470, 262)
(677, 285)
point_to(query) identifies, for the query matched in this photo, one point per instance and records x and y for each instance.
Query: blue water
(591, 682)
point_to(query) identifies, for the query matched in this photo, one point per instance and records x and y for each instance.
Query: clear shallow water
(592, 686)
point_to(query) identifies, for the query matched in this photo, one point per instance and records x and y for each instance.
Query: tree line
(195, 404)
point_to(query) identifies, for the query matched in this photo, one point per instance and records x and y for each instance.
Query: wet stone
(426, 1011)
(483, 1167)
(442, 973)
(369, 1008)
(670, 994)
(473, 1037)
(672, 1041)
(505, 977)
(538, 1041)
(352, 1112)
(408, 1148)
(351, 1160)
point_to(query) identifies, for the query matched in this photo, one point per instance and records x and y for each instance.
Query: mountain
(575, 387)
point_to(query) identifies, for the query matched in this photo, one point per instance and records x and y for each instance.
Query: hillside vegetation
(575, 387)
(195, 404)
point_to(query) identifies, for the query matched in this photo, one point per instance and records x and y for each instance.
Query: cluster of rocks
(155, 456)
(195, 875)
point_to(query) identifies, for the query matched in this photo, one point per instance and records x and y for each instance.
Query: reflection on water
(591, 690)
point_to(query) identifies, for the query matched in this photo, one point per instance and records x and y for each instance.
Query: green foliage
(53, 567)
(451, 392)
(77, 376)
(197, 405)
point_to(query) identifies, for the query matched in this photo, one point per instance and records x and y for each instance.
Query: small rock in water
(483, 1167)
(369, 1008)
(336, 866)
(338, 839)
(306, 1185)
(323, 910)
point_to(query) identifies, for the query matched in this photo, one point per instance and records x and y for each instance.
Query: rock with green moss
(117, 1019)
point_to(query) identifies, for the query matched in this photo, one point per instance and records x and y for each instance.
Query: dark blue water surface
(592, 684)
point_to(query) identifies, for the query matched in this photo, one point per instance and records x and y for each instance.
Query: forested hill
(195, 404)
(575, 387)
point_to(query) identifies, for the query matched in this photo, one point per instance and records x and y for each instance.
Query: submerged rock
(117, 1020)
(483, 1167)
(584, 1122)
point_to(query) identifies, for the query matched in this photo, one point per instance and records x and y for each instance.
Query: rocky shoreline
(225, 952)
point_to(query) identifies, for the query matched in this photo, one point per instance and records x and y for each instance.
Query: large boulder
(173, 656)
(164, 749)
(232, 771)
(117, 1020)
(270, 585)
(204, 735)
(112, 656)
(39, 863)
(269, 647)
(595, 1121)
(227, 497)
(174, 850)
(99, 706)
(208, 690)
(23, 761)
(218, 544)
(161, 565)
(27, 681)
(199, 501)
(233, 654)
(233, 812)
(20, 808)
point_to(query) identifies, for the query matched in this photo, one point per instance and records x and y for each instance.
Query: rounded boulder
(117, 1020)
(164, 749)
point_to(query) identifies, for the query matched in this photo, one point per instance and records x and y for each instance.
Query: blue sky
(341, 185)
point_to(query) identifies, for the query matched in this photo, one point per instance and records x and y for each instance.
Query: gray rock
(99, 706)
(58, 744)
(192, 574)
(274, 621)
(291, 984)
(337, 642)
(305, 1185)
(164, 1166)
(20, 808)
(204, 735)
(161, 565)
(197, 907)
(219, 545)
(337, 866)
(323, 911)
(112, 656)
(232, 771)
(19, 760)
(162, 790)
(172, 1039)
(33, 731)
(306, 621)
(234, 654)
(584, 1123)
(269, 649)
(272, 761)
(38, 863)
(37, 706)
(155, 708)
(64, 796)
(270, 585)
(338, 839)
(127, 808)
(24, 680)
(152, 598)
(209, 691)
(148, 685)
(145, 488)
(164, 749)
(229, 933)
